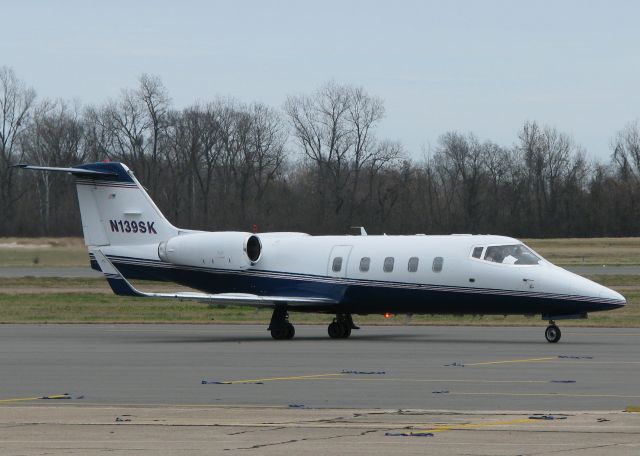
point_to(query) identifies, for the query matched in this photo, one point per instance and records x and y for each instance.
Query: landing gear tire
(335, 330)
(283, 332)
(280, 327)
(552, 334)
(341, 327)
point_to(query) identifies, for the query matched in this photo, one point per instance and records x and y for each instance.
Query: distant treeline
(314, 165)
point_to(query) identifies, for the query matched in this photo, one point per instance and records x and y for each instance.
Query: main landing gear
(280, 327)
(341, 326)
(552, 333)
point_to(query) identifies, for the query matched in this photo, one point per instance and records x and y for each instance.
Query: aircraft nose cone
(609, 294)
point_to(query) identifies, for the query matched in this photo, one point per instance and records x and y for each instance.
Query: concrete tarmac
(132, 389)
(127, 430)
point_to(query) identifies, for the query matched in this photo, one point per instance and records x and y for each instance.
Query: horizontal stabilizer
(74, 171)
(122, 287)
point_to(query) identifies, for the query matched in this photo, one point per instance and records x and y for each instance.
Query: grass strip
(104, 308)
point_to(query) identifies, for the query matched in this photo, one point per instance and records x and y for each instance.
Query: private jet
(129, 238)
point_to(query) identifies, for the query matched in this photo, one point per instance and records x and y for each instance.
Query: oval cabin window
(413, 264)
(388, 264)
(437, 264)
(365, 262)
(337, 264)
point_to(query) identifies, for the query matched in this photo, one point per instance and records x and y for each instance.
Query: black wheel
(338, 330)
(291, 331)
(335, 330)
(282, 332)
(553, 334)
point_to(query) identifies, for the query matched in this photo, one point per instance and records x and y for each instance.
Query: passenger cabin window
(477, 252)
(365, 262)
(413, 264)
(337, 264)
(388, 264)
(437, 264)
(511, 254)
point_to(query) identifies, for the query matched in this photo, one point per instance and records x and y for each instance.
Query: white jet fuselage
(372, 274)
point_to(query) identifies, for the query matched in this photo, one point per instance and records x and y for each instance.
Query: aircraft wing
(122, 287)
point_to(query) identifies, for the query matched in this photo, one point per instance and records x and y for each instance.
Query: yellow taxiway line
(23, 399)
(454, 427)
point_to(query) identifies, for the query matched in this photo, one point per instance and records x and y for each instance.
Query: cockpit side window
(510, 254)
(477, 252)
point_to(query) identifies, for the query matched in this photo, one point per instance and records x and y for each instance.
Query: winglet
(117, 282)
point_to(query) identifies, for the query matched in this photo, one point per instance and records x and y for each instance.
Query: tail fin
(114, 207)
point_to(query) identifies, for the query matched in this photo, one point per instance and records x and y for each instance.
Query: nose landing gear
(552, 333)
(341, 326)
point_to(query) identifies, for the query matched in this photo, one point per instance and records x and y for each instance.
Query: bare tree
(626, 151)
(461, 161)
(335, 129)
(551, 158)
(16, 102)
(55, 138)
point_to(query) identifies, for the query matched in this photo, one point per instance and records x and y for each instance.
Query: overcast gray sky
(481, 66)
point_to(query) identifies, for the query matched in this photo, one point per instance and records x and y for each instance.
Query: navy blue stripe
(112, 167)
(104, 183)
(120, 287)
(361, 282)
(362, 297)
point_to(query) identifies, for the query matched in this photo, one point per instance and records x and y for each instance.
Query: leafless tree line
(316, 165)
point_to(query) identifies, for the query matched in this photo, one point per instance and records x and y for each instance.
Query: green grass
(590, 251)
(53, 283)
(42, 258)
(43, 252)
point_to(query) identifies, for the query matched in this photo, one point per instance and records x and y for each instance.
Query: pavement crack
(305, 439)
(564, 450)
(263, 445)
(258, 430)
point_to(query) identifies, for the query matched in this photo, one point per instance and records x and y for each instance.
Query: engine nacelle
(224, 249)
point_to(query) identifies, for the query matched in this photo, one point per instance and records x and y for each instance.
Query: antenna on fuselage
(363, 232)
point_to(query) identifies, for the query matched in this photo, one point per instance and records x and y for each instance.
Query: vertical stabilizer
(114, 207)
(116, 210)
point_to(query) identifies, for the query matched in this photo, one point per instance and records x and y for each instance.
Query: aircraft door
(338, 261)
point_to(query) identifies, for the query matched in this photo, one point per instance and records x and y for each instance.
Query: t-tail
(114, 207)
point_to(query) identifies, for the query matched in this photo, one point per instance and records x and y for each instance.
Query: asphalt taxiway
(218, 389)
(452, 368)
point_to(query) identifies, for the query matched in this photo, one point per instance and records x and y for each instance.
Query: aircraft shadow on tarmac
(354, 339)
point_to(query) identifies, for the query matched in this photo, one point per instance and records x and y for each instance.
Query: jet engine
(221, 250)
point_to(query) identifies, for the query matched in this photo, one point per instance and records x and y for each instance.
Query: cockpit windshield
(517, 254)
